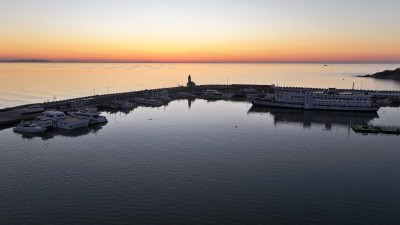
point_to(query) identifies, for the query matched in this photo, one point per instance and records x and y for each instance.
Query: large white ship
(320, 100)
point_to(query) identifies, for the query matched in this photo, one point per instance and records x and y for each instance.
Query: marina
(83, 110)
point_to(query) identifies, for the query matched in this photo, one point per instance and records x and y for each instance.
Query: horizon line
(208, 62)
(194, 62)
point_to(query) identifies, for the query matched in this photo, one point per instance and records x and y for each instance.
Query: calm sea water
(39, 82)
(199, 162)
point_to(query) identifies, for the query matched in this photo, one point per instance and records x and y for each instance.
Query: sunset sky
(201, 31)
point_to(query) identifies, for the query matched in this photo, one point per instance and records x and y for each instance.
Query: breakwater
(12, 115)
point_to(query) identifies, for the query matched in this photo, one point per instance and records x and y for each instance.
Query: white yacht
(89, 113)
(32, 109)
(65, 122)
(29, 127)
(328, 100)
(44, 122)
(149, 101)
(124, 104)
(214, 94)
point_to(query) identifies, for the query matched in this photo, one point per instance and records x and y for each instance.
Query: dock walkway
(366, 128)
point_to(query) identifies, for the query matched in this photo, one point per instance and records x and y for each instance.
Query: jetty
(13, 115)
(367, 128)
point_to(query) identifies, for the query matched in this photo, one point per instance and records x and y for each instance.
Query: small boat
(32, 109)
(125, 104)
(149, 101)
(89, 113)
(213, 94)
(28, 127)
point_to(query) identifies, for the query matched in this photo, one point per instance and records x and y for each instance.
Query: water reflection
(116, 111)
(63, 133)
(309, 117)
(190, 101)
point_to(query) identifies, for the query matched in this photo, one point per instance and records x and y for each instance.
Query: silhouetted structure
(190, 83)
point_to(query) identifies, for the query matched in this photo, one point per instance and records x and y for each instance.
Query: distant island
(26, 61)
(387, 74)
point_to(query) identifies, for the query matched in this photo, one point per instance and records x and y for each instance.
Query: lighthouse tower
(190, 83)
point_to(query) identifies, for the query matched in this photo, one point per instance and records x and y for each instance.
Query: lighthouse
(190, 83)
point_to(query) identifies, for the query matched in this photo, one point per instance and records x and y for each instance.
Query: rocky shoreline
(387, 74)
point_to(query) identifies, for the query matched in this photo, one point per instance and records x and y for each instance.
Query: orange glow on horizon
(260, 50)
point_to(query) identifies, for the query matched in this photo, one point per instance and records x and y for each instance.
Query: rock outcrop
(387, 74)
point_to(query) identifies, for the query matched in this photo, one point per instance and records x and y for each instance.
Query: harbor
(85, 108)
(199, 112)
(183, 143)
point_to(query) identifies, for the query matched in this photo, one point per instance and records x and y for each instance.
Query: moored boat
(65, 122)
(44, 122)
(32, 109)
(29, 127)
(124, 104)
(328, 100)
(91, 114)
(213, 94)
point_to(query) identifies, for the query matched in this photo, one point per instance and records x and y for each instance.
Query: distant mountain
(387, 74)
(27, 60)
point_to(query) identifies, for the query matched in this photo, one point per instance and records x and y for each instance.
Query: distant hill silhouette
(387, 74)
(27, 60)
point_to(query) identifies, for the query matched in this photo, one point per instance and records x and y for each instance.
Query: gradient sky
(201, 31)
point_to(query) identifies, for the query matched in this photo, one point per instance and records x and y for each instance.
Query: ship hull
(272, 104)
